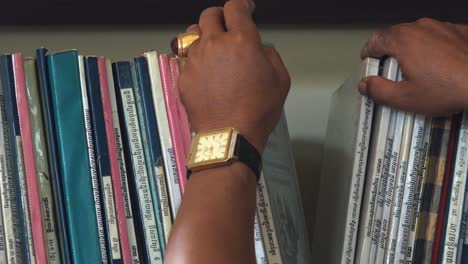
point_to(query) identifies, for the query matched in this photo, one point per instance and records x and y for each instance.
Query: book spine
(462, 242)
(399, 188)
(127, 108)
(114, 165)
(173, 119)
(170, 165)
(102, 163)
(183, 119)
(7, 188)
(409, 189)
(40, 156)
(156, 163)
(139, 81)
(37, 230)
(117, 135)
(268, 229)
(92, 160)
(258, 242)
(421, 176)
(53, 154)
(455, 210)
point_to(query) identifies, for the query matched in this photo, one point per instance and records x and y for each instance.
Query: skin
(230, 79)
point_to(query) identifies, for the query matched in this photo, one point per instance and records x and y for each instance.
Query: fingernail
(363, 87)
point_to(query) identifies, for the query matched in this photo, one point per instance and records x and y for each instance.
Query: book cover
(8, 199)
(168, 152)
(348, 134)
(152, 149)
(70, 132)
(133, 146)
(380, 149)
(52, 153)
(42, 167)
(446, 185)
(132, 240)
(183, 119)
(32, 188)
(420, 178)
(92, 160)
(23, 235)
(432, 185)
(101, 151)
(114, 164)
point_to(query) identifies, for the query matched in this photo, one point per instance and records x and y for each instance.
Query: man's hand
(433, 57)
(230, 79)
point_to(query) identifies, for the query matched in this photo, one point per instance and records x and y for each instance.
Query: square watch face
(211, 147)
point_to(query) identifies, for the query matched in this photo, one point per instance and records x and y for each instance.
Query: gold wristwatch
(221, 147)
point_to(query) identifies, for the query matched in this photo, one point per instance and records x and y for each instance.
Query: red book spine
(34, 200)
(454, 130)
(112, 147)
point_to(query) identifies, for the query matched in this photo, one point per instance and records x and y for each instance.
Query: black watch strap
(249, 155)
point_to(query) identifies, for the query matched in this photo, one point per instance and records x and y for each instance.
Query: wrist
(236, 173)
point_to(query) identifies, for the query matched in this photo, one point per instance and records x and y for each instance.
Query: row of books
(92, 163)
(394, 183)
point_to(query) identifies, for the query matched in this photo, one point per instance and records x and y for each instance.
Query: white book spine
(455, 210)
(389, 192)
(390, 72)
(2, 234)
(399, 188)
(141, 177)
(267, 225)
(92, 160)
(9, 213)
(122, 166)
(164, 133)
(418, 192)
(258, 240)
(409, 190)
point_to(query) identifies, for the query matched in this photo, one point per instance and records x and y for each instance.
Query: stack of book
(393, 185)
(92, 163)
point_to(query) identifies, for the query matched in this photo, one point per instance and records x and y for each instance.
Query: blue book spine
(139, 188)
(74, 161)
(139, 82)
(52, 153)
(103, 163)
(23, 240)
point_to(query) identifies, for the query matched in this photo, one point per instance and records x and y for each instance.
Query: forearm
(215, 221)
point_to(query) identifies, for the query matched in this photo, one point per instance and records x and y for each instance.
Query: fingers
(238, 17)
(193, 29)
(381, 43)
(387, 92)
(211, 21)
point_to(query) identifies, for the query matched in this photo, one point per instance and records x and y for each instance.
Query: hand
(433, 57)
(229, 78)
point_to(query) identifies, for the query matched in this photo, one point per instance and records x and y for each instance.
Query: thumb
(386, 92)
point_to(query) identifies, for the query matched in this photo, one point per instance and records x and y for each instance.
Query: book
(48, 206)
(167, 148)
(173, 120)
(446, 184)
(23, 234)
(133, 146)
(132, 240)
(348, 133)
(260, 254)
(92, 160)
(101, 151)
(34, 201)
(52, 153)
(432, 185)
(114, 164)
(73, 154)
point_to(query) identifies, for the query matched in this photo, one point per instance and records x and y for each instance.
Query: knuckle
(209, 11)
(426, 21)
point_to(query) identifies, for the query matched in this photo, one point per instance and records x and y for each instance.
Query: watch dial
(212, 147)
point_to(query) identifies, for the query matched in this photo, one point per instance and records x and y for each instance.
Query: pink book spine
(29, 162)
(173, 119)
(116, 183)
(183, 119)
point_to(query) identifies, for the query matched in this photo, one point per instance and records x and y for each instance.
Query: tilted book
(339, 202)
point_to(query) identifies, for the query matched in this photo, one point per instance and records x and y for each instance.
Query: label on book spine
(111, 217)
(258, 242)
(146, 203)
(164, 201)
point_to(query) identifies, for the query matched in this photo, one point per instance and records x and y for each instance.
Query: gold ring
(181, 43)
